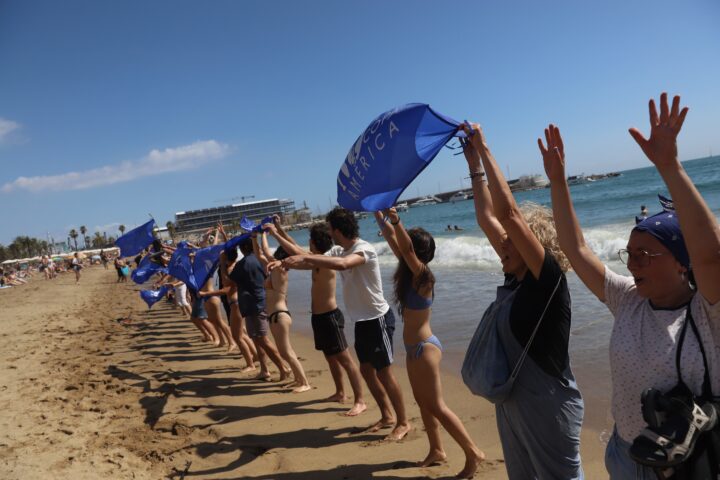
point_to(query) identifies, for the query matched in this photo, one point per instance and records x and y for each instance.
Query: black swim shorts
(373, 340)
(329, 332)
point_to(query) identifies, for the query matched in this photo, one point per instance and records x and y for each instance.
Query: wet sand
(86, 395)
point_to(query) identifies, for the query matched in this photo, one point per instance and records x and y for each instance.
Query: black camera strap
(706, 387)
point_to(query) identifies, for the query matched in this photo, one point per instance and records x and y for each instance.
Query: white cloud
(6, 127)
(157, 162)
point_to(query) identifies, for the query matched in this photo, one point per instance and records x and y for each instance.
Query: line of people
(673, 258)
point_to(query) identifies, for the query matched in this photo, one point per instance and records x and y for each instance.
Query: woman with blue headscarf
(674, 260)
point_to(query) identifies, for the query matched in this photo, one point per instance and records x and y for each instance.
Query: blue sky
(113, 110)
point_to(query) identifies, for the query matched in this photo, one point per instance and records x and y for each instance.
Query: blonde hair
(542, 225)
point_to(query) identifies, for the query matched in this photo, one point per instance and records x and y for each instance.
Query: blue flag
(180, 267)
(235, 241)
(392, 151)
(146, 270)
(151, 297)
(135, 241)
(246, 223)
(205, 262)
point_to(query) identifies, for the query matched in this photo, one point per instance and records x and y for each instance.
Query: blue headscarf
(665, 226)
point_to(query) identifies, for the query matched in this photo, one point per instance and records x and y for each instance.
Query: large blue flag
(205, 262)
(146, 270)
(180, 267)
(151, 297)
(135, 241)
(392, 151)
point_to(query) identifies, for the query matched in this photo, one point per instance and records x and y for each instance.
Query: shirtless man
(327, 319)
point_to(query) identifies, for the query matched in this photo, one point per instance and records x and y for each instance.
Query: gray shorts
(257, 324)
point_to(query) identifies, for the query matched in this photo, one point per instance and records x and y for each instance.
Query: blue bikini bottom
(418, 347)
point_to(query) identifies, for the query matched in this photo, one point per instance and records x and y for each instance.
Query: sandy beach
(86, 395)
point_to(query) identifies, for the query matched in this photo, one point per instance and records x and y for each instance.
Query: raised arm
(505, 208)
(404, 243)
(484, 213)
(259, 253)
(388, 233)
(265, 247)
(572, 242)
(285, 240)
(698, 224)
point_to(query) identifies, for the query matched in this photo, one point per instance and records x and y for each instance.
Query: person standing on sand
(374, 321)
(77, 266)
(415, 292)
(276, 286)
(248, 277)
(540, 420)
(328, 323)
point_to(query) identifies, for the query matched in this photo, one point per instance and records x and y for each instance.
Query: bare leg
(262, 358)
(432, 429)
(402, 427)
(336, 372)
(264, 343)
(346, 361)
(427, 387)
(281, 333)
(236, 332)
(387, 419)
(214, 310)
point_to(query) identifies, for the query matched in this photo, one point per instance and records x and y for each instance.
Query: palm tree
(83, 231)
(98, 241)
(171, 230)
(122, 229)
(74, 234)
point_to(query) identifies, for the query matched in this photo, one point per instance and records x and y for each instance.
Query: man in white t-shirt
(357, 262)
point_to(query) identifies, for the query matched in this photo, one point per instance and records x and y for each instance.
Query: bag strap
(706, 387)
(521, 360)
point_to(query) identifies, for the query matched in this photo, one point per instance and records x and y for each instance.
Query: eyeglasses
(641, 259)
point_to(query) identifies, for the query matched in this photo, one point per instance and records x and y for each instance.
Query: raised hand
(270, 228)
(554, 154)
(661, 147)
(272, 266)
(392, 214)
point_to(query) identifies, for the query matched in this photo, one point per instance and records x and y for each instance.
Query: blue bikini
(415, 301)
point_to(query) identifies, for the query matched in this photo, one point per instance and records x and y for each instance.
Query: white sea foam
(475, 252)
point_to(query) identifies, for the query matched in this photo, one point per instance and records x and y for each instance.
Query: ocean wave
(475, 252)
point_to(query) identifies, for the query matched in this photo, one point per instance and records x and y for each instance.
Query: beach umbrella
(390, 153)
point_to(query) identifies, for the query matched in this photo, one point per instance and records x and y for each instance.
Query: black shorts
(329, 332)
(373, 340)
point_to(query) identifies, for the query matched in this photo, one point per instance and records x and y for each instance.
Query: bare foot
(433, 458)
(292, 384)
(233, 347)
(284, 375)
(302, 388)
(472, 463)
(336, 397)
(249, 368)
(264, 376)
(356, 410)
(216, 343)
(379, 425)
(399, 432)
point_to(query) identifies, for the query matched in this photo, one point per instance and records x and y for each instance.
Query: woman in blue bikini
(414, 283)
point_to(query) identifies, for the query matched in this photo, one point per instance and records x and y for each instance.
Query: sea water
(468, 271)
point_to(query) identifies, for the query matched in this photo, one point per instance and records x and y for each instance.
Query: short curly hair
(344, 221)
(541, 223)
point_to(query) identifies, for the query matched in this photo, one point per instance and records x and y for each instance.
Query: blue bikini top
(414, 301)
